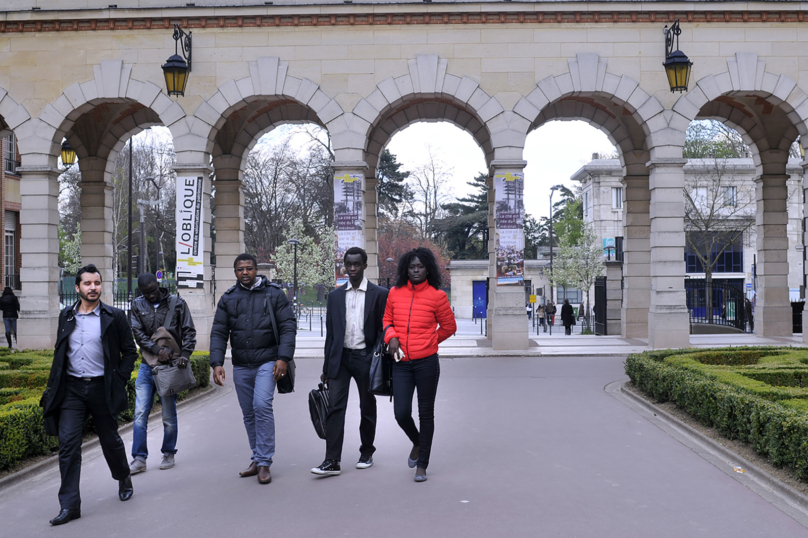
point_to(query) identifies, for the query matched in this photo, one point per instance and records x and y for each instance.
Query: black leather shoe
(125, 489)
(66, 515)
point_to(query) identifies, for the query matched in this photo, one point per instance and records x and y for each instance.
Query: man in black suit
(353, 324)
(94, 357)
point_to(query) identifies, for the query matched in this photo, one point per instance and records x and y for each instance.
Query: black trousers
(83, 398)
(407, 376)
(354, 364)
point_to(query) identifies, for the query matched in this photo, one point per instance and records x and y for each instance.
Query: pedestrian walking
(420, 318)
(92, 362)
(158, 346)
(529, 310)
(257, 318)
(567, 317)
(10, 306)
(550, 311)
(540, 317)
(749, 314)
(353, 323)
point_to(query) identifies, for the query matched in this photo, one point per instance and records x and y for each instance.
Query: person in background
(750, 317)
(10, 306)
(567, 317)
(529, 310)
(420, 318)
(149, 312)
(540, 316)
(549, 312)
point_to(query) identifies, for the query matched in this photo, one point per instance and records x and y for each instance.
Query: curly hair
(427, 258)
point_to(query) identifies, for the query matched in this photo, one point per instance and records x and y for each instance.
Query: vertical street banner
(190, 247)
(510, 233)
(347, 219)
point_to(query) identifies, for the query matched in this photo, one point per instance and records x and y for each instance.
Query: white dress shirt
(355, 315)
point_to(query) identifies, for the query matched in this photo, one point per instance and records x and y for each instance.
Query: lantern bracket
(182, 40)
(670, 34)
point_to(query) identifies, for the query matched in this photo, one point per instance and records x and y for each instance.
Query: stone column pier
(508, 328)
(39, 247)
(805, 242)
(96, 222)
(614, 296)
(200, 301)
(229, 232)
(772, 308)
(367, 237)
(636, 258)
(668, 318)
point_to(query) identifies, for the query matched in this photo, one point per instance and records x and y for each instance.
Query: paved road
(523, 447)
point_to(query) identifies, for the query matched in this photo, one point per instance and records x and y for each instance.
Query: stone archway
(97, 116)
(629, 116)
(232, 121)
(770, 112)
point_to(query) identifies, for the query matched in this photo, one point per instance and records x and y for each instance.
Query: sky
(553, 152)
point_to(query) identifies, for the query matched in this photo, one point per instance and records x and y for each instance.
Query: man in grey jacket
(260, 351)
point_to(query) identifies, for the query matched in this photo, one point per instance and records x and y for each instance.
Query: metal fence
(120, 297)
(718, 303)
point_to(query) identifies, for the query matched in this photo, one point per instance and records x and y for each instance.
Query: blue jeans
(255, 388)
(11, 325)
(145, 391)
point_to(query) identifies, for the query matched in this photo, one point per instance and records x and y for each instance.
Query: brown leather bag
(162, 337)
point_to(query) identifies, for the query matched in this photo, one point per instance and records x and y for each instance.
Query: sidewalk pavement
(533, 447)
(468, 342)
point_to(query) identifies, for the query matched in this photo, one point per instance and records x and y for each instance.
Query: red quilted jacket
(415, 313)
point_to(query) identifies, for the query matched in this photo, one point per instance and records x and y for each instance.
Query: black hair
(8, 291)
(245, 257)
(566, 301)
(356, 250)
(427, 258)
(145, 279)
(90, 268)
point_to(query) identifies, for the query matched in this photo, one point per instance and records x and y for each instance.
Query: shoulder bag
(286, 384)
(170, 379)
(381, 368)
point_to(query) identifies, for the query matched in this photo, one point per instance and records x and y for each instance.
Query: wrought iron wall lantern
(677, 64)
(68, 155)
(177, 67)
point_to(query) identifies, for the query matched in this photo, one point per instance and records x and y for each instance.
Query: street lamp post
(389, 270)
(552, 190)
(295, 243)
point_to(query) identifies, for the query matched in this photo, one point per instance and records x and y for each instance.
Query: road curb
(53, 460)
(781, 495)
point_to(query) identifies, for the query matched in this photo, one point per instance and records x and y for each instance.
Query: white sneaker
(364, 462)
(137, 466)
(167, 462)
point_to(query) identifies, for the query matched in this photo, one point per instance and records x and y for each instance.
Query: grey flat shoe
(420, 475)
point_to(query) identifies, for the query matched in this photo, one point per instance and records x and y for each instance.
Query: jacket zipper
(409, 319)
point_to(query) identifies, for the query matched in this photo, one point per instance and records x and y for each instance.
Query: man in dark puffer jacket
(259, 360)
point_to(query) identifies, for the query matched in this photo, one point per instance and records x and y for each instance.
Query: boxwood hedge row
(23, 377)
(772, 419)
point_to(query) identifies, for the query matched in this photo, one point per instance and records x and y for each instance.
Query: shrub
(22, 430)
(776, 427)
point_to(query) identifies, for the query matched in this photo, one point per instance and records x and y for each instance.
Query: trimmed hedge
(775, 425)
(22, 429)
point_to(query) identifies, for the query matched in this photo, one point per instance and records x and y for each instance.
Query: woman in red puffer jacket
(418, 317)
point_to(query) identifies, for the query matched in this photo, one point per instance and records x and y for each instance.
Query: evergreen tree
(392, 189)
(465, 230)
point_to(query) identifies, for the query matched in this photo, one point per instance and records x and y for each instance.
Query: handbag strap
(172, 305)
(272, 316)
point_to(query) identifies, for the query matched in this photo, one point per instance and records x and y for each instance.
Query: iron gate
(600, 305)
(720, 303)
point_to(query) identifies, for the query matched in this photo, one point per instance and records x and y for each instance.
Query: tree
(70, 249)
(719, 213)
(570, 226)
(429, 183)
(713, 139)
(392, 188)
(534, 235)
(464, 229)
(315, 257)
(579, 263)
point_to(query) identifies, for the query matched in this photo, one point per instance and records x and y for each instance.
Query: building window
(617, 197)
(729, 196)
(12, 279)
(618, 249)
(10, 159)
(727, 260)
(574, 295)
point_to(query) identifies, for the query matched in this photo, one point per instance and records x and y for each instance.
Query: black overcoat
(120, 354)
